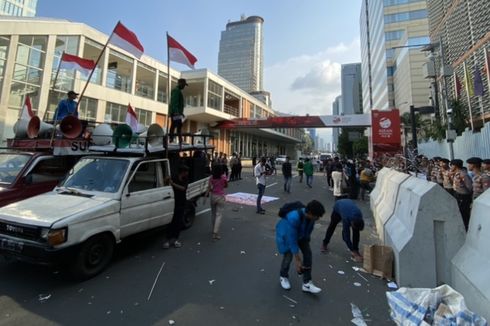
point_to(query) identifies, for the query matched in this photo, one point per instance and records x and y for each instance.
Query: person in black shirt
(287, 173)
(179, 186)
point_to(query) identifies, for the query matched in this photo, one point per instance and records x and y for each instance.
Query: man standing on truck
(179, 186)
(67, 107)
(177, 104)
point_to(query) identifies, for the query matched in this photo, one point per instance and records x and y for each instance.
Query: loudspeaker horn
(122, 136)
(154, 135)
(71, 127)
(36, 127)
(20, 128)
(102, 135)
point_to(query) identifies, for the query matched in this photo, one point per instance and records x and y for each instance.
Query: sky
(305, 42)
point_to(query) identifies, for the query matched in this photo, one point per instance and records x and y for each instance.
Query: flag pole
(54, 82)
(467, 84)
(93, 70)
(168, 96)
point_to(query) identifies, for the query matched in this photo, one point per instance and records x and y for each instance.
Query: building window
(91, 51)
(406, 15)
(214, 95)
(119, 72)
(144, 117)
(4, 48)
(389, 3)
(421, 40)
(66, 78)
(390, 53)
(394, 35)
(145, 81)
(115, 113)
(28, 71)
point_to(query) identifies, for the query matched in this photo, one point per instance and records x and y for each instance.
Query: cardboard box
(378, 260)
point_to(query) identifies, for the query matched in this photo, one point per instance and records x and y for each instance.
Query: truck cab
(27, 174)
(103, 199)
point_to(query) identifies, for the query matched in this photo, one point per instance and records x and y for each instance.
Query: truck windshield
(11, 165)
(97, 174)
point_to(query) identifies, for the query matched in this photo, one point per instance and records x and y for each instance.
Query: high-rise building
(392, 35)
(241, 58)
(336, 110)
(25, 8)
(463, 29)
(351, 87)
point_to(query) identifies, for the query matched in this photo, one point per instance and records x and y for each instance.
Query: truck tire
(93, 257)
(189, 214)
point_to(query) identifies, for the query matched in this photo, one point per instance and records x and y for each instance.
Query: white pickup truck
(101, 201)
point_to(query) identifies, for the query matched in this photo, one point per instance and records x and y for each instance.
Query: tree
(307, 144)
(459, 116)
(357, 148)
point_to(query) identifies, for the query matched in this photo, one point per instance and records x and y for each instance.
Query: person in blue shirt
(346, 210)
(293, 234)
(67, 107)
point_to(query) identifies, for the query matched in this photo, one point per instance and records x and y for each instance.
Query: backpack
(288, 207)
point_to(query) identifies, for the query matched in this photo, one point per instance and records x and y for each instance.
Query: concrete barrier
(383, 205)
(425, 232)
(471, 265)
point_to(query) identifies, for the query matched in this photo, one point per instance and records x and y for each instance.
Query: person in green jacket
(177, 104)
(308, 168)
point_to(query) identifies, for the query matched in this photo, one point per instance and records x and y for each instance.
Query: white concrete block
(385, 200)
(471, 265)
(425, 232)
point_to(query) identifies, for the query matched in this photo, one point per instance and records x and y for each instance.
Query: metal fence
(467, 145)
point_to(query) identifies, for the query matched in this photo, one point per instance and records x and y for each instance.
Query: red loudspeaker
(71, 127)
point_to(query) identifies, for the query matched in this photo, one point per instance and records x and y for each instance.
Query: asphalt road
(233, 281)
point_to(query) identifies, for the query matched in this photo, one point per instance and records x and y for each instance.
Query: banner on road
(248, 199)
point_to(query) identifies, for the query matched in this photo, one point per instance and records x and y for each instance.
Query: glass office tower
(240, 58)
(25, 8)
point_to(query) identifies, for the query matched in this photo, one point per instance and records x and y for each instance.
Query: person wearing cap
(485, 174)
(462, 187)
(177, 104)
(447, 175)
(67, 107)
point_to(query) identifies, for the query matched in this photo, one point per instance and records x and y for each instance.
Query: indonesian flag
(72, 62)
(27, 113)
(126, 40)
(457, 86)
(132, 119)
(180, 54)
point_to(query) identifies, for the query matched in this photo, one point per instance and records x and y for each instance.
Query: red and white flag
(72, 62)
(126, 40)
(180, 54)
(132, 119)
(27, 113)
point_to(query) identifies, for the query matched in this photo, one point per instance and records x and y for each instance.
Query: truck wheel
(189, 214)
(93, 257)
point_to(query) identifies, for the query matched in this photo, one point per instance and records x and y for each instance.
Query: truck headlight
(54, 237)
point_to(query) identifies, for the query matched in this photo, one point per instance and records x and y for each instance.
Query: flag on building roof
(72, 62)
(468, 81)
(27, 112)
(477, 82)
(126, 40)
(178, 53)
(131, 118)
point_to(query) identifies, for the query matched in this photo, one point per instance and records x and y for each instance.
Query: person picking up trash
(293, 233)
(346, 210)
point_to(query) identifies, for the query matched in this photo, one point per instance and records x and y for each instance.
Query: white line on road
(293, 301)
(272, 184)
(155, 282)
(203, 211)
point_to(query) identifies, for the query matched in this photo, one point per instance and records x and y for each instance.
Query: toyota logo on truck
(12, 228)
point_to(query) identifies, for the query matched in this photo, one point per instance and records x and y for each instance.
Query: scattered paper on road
(292, 300)
(341, 272)
(171, 322)
(357, 284)
(242, 252)
(211, 282)
(44, 297)
(357, 314)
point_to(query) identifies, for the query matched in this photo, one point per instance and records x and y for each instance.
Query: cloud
(309, 83)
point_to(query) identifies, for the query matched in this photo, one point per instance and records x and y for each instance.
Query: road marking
(203, 211)
(272, 184)
(155, 282)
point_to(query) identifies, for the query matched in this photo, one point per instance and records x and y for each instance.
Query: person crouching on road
(217, 185)
(346, 210)
(293, 234)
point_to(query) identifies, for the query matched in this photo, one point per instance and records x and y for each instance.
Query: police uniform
(485, 175)
(447, 178)
(462, 188)
(477, 179)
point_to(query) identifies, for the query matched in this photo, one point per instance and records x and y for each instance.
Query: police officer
(485, 174)
(462, 188)
(447, 175)
(474, 165)
(434, 168)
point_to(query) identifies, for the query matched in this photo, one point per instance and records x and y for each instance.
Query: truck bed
(197, 188)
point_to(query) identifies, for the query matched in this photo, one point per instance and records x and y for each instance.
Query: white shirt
(259, 173)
